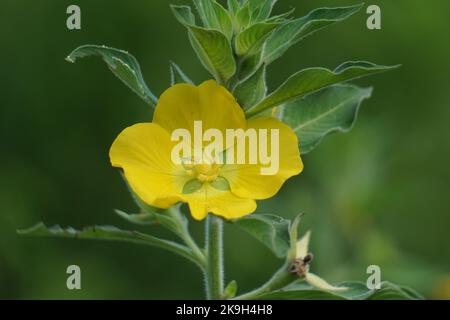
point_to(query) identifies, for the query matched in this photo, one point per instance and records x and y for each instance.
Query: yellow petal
(247, 180)
(182, 104)
(302, 246)
(221, 203)
(321, 284)
(143, 151)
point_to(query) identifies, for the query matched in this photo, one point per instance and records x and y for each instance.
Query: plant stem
(183, 232)
(214, 258)
(280, 279)
(196, 252)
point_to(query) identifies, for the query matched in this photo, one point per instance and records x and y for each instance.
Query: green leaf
(243, 17)
(271, 230)
(108, 233)
(184, 15)
(333, 109)
(192, 186)
(224, 22)
(122, 64)
(296, 30)
(249, 66)
(313, 79)
(390, 291)
(206, 12)
(230, 290)
(233, 6)
(214, 52)
(220, 184)
(177, 75)
(357, 291)
(282, 17)
(205, 9)
(152, 218)
(293, 236)
(252, 90)
(251, 40)
(261, 9)
(138, 218)
(212, 47)
(413, 294)
(214, 16)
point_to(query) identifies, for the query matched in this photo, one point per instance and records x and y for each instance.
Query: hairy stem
(214, 258)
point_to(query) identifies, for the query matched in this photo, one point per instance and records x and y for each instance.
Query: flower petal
(221, 203)
(247, 181)
(143, 151)
(321, 284)
(182, 104)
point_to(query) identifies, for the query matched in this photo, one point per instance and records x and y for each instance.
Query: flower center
(204, 172)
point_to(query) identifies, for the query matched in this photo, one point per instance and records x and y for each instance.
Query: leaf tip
(30, 230)
(120, 213)
(368, 92)
(294, 225)
(230, 290)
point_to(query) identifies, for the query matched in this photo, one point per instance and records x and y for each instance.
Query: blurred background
(379, 195)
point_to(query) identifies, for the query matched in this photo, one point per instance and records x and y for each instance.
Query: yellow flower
(144, 151)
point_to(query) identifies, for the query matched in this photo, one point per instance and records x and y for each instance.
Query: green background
(379, 195)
